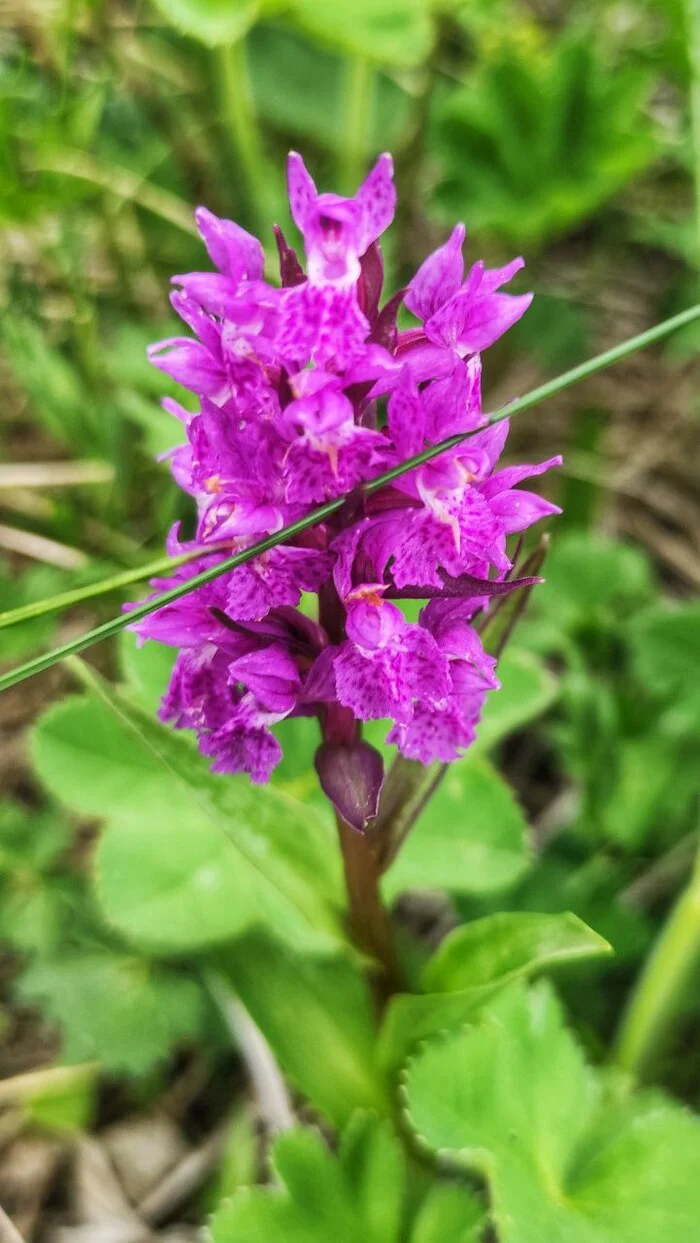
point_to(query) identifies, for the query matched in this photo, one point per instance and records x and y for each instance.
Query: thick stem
(661, 987)
(369, 920)
(358, 113)
(238, 110)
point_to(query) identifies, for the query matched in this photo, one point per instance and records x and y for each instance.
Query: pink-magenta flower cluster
(305, 392)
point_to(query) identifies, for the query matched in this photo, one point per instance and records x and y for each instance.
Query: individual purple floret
(305, 392)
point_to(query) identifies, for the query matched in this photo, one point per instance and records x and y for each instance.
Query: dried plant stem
(662, 984)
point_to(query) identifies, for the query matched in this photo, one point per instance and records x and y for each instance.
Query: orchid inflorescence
(305, 393)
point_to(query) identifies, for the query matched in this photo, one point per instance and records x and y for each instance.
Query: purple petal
(469, 324)
(518, 510)
(233, 251)
(406, 417)
(438, 278)
(301, 189)
(376, 199)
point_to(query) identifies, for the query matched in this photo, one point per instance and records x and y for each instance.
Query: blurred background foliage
(566, 130)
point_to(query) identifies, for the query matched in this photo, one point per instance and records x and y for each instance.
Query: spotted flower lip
(306, 391)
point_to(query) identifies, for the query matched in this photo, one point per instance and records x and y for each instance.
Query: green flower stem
(662, 985)
(536, 395)
(238, 111)
(358, 116)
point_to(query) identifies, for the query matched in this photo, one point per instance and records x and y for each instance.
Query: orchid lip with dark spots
(292, 383)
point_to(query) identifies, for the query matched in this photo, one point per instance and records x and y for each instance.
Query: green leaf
(470, 838)
(211, 21)
(450, 1213)
(666, 649)
(536, 143)
(393, 32)
(187, 858)
(147, 669)
(527, 690)
(564, 1156)
(114, 1008)
(316, 1013)
(322, 1197)
(503, 946)
(590, 576)
(475, 962)
(372, 1159)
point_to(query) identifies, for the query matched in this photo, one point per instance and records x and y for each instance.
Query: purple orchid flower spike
(288, 381)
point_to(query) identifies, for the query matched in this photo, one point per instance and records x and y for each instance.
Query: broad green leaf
(211, 21)
(114, 1008)
(666, 649)
(450, 1213)
(473, 964)
(470, 838)
(500, 947)
(564, 1156)
(187, 858)
(282, 63)
(527, 690)
(317, 1015)
(589, 576)
(323, 1197)
(146, 669)
(393, 32)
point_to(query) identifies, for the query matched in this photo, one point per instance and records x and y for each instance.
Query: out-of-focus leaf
(536, 144)
(356, 1195)
(187, 858)
(513, 1100)
(450, 1213)
(393, 32)
(527, 690)
(316, 1014)
(211, 21)
(113, 1008)
(470, 838)
(666, 649)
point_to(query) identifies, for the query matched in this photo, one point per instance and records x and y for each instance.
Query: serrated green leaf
(473, 964)
(563, 1156)
(322, 1197)
(316, 1013)
(511, 943)
(211, 21)
(113, 1008)
(537, 143)
(470, 838)
(373, 1162)
(187, 858)
(392, 32)
(450, 1213)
